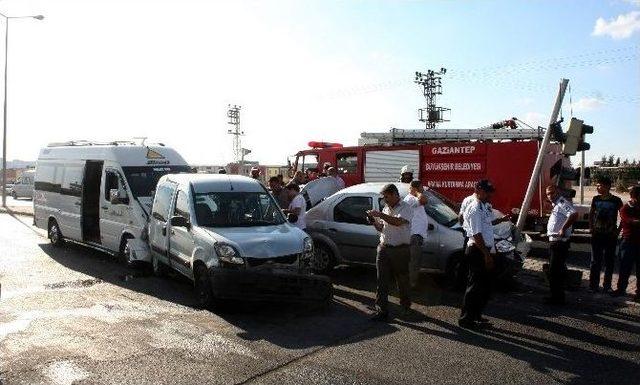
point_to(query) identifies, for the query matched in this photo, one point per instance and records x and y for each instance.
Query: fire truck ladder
(490, 132)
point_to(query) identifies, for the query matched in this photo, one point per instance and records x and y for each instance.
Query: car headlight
(226, 253)
(308, 245)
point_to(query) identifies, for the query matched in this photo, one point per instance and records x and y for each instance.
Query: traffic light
(574, 138)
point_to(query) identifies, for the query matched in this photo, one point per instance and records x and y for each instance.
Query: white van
(228, 235)
(99, 194)
(23, 188)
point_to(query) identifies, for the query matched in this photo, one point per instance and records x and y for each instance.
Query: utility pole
(431, 83)
(233, 113)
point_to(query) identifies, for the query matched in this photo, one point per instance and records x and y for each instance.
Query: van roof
(125, 155)
(205, 183)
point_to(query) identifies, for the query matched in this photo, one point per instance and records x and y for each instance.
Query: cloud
(588, 104)
(536, 119)
(621, 27)
(633, 2)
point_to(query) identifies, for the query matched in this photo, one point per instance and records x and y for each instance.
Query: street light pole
(4, 130)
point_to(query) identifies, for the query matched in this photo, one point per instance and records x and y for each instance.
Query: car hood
(261, 241)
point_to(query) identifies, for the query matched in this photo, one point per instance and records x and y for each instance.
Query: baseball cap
(406, 169)
(485, 185)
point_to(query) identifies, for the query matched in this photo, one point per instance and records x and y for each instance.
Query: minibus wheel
(54, 234)
(202, 287)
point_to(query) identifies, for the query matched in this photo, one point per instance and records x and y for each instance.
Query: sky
(312, 70)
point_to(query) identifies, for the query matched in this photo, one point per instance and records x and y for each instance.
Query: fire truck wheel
(323, 259)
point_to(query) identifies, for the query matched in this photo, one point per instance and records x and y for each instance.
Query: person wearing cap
(297, 206)
(477, 225)
(332, 172)
(394, 225)
(419, 224)
(406, 174)
(559, 228)
(255, 173)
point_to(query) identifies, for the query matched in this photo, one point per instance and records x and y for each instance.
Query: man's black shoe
(465, 324)
(554, 301)
(379, 316)
(483, 321)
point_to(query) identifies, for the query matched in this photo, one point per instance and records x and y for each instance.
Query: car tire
(158, 268)
(202, 288)
(54, 234)
(324, 259)
(14, 195)
(457, 272)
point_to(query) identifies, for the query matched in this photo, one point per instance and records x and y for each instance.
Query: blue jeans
(629, 255)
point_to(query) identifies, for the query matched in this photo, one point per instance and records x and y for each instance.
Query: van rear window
(143, 180)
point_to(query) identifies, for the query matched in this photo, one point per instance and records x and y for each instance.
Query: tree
(618, 162)
(603, 160)
(634, 163)
(610, 161)
(625, 162)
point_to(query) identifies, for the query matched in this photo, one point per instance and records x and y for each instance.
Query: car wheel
(159, 268)
(323, 259)
(54, 234)
(202, 287)
(457, 272)
(14, 195)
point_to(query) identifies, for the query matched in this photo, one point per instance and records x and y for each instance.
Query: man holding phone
(394, 225)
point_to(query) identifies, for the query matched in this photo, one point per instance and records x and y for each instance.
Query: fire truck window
(347, 163)
(353, 210)
(310, 162)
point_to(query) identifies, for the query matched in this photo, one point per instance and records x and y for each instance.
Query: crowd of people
(403, 225)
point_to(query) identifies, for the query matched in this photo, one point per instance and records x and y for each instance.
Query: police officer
(559, 231)
(477, 225)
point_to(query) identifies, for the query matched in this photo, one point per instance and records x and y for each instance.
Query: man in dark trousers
(630, 245)
(394, 225)
(477, 225)
(559, 228)
(603, 219)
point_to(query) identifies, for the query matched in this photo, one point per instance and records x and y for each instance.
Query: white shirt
(397, 235)
(298, 202)
(419, 220)
(562, 209)
(465, 203)
(477, 220)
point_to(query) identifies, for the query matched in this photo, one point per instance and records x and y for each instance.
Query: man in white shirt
(559, 230)
(297, 206)
(478, 227)
(419, 224)
(333, 172)
(394, 225)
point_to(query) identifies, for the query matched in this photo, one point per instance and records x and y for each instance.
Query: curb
(11, 211)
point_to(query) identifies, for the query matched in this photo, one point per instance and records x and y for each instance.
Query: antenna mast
(431, 87)
(233, 113)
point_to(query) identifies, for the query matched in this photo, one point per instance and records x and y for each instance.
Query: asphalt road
(75, 315)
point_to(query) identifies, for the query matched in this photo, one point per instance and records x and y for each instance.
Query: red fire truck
(448, 161)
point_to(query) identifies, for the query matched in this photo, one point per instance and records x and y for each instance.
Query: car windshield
(237, 209)
(436, 209)
(439, 210)
(143, 180)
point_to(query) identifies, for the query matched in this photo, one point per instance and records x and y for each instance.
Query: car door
(158, 222)
(181, 242)
(114, 217)
(354, 236)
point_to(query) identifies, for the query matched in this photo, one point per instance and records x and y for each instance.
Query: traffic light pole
(543, 150)
(582, 179)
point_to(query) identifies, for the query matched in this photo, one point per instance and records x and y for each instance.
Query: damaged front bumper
(269, 283)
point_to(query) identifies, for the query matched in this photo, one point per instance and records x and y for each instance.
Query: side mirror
(179, 221)
(292, 218)
(117, 196)
(431, 227)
